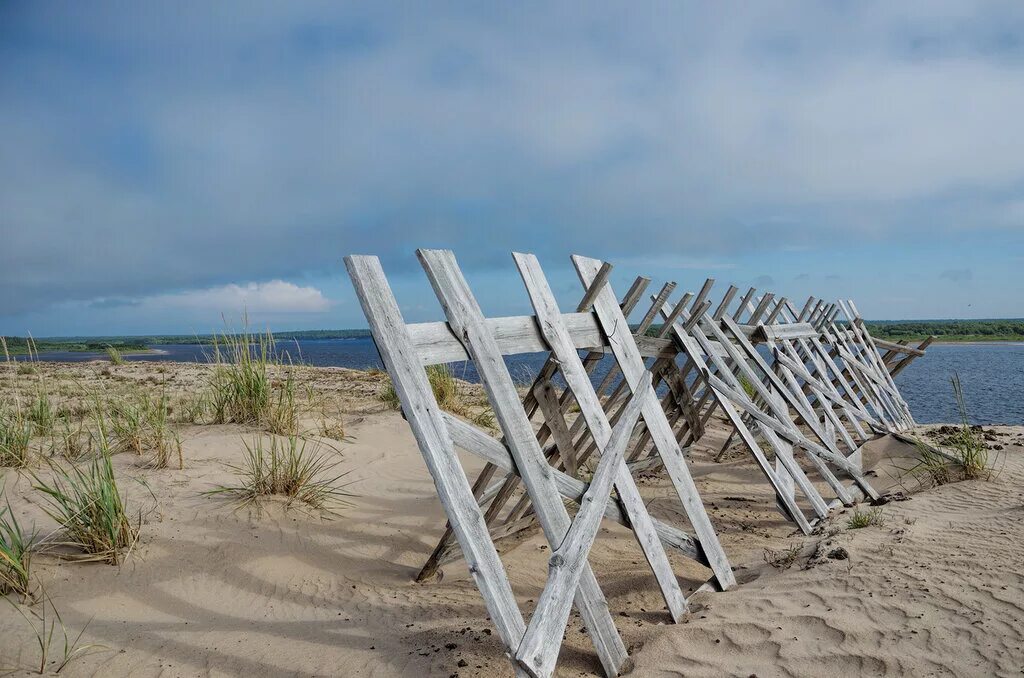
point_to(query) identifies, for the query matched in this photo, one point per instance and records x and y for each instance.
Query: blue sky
(163, 164)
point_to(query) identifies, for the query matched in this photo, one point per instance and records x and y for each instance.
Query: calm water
(992, 374)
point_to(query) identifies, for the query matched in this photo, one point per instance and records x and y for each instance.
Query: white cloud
(275, 296)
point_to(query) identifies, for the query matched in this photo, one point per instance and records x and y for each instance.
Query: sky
(167, 165)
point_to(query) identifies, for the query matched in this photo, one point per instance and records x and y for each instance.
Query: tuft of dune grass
(242, 390)
(90, 509)
(15, 554)
(290, 467)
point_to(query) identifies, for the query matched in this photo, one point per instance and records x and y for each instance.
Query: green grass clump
(41, 413)
(242, 390)
(444, 386)
(141, 423)
(15, 436)
(866, 518)
(90, 509)
(388, 395)
(15, 554)
(288, 468)
(114, 356)
(965, 455)
(968, 448)
(748, 386)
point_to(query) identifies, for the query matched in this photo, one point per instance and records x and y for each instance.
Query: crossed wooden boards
(830, 379)
(405, 350)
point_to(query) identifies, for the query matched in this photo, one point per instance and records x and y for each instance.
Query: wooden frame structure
(798, 386)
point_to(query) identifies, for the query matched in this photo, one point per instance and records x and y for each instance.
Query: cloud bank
(156, 148)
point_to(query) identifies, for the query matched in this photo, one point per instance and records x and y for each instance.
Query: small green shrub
(445, 388)
(141, 424)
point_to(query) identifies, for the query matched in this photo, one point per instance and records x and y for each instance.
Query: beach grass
(15, 435)
(114, 356)
(865, 518)
(15, 554)
(290, 467)
(44, 627)
(90, 509)
(242, 388)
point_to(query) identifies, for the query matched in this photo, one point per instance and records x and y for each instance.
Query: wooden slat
(577, 379)
(540, 647)
(632, 366)
(475, 441)
(467, 321)
(410, 380)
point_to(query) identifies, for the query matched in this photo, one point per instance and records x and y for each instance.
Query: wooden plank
(475, 441)
(834, 455)
(436, 343)
(543, 639)
(467, 321)
(424, 416)
(577, 379)
(723, 306)
(544, 393)
(786, 332)
(743, 304)
(632, 365)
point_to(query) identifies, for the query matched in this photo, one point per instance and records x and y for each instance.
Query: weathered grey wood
(902, 364)
(577, 379)
(548, 401)
(776, 311)
(723, 306)
(538, 652)
(743, 304)
(467, 321)
(786, 332)
(435, 343)
(696, 343)
(396, 350)
(475, 441)
(833, 454)
(899, 348)
(632, 366)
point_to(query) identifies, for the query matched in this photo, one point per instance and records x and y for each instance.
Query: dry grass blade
(44, 629)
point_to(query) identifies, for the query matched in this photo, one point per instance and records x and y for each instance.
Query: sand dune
(211, 591)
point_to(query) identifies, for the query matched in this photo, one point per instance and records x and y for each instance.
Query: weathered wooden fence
(802, 384)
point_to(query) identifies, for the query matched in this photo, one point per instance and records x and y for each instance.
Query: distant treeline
(948, 330)
(893, 330)
(20, 345)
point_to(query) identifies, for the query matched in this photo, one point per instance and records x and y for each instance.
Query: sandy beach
(213, 590)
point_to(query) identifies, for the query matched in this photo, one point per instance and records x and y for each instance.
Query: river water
(992, 374)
